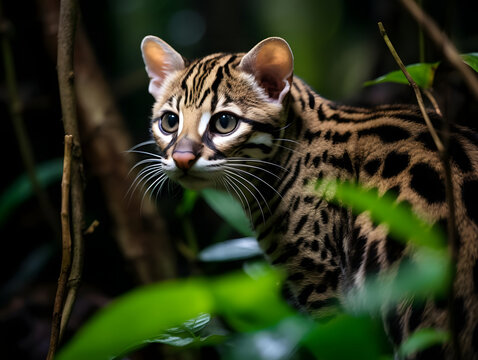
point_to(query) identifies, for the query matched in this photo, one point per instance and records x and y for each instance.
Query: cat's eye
(169, 123)
(223, 123)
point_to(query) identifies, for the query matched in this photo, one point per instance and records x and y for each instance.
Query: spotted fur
(286, 136)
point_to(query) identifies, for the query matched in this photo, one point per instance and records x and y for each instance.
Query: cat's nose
(184, 160)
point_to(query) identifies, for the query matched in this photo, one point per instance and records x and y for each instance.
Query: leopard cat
(242, 123)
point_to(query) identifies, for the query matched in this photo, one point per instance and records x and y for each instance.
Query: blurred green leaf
(280, 342)
(423, 74)
(21, 189)
(188, 202)
(229, 209)
(251, 304)
(471, 60)
(188, 333)
(142, 315)
(236, 249)
(347, 337)
(402, 223)
(422, 339)
(132, 319)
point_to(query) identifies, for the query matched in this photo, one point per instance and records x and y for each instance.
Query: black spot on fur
(286, 255)
(459, 156)
(323, 254)
(321, 288)
(305, 293)
(296, 276)
(372, 167)
(307, 263)
(316, 161)
(341, 138)
(387, 133)
(307, 159)
(324, 216)
(393, 249)
(427, 183)
(394, 328)
(416, 316)
(316, 228)
(309, 199)
(426, 139)
(300, 224)
(296, 203)
(328, 135)
(343, 162)
(372, 264)
(331, 278)
(470, 195)
(317, 304)
(357, 253)
(394, 164)
(314, 245)
(325, 155)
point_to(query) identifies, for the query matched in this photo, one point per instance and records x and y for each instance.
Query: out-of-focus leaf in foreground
(229, 209)
(142, 315)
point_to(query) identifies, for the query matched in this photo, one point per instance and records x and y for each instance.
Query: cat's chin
(194, 183)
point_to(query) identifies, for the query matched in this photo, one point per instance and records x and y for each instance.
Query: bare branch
(66, 37)
(66, 249)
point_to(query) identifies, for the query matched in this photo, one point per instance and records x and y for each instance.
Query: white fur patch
(204, 122)
(261, 138)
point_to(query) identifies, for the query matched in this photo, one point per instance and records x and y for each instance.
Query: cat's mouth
(193, 182)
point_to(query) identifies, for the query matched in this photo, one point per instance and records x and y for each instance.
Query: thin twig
(66, 36)
(66, 249)
(415, 87)
(443, 43)
(444, 156)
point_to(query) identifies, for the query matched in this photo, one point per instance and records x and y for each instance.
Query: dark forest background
(336, 45)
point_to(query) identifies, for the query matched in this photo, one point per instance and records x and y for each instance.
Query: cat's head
(214, 111)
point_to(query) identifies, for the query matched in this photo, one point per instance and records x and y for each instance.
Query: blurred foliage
(21, 189)
(264, 327)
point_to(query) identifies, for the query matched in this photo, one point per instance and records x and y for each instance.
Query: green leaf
(21, 189)
(423, 74)
(188, 333)
(422, 339)
(229, 209)
(135, 318)
(471, 60)
(346, 337)
(142, 315)
(236, 249)
(188, 202)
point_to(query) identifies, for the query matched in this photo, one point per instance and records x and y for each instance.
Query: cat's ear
(272, 63)
(160, 60)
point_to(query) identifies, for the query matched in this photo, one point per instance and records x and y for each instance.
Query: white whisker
(258, 178)
(144, 143)
(254, 167)
(250, 183)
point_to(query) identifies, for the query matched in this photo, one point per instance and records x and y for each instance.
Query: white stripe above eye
(265, 139)
(181, 122)
(203, 123)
